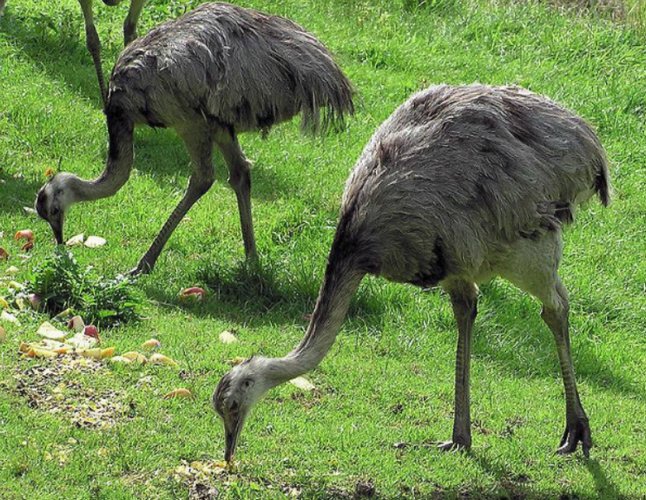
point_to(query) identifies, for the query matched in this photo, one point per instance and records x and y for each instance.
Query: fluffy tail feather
(602, 182)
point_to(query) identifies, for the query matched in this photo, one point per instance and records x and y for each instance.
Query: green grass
(389, 377)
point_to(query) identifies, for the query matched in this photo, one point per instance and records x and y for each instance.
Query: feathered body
(459, 185)
(238, 67)
(457, 175)
(211, 74)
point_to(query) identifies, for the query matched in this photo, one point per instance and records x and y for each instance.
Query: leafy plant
(61, 283)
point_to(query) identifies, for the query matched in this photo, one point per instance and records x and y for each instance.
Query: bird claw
(579, 431)
(142, 268)
(453, 446)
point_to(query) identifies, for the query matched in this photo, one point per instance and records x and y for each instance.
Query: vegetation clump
(62, 284)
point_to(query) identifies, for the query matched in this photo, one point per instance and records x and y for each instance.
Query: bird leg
(93, 45)
(199, 146)
(130, 24)
(577, 427)
(240, 181)
(464, 302)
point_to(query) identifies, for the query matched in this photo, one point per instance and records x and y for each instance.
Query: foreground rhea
(459, 185)
(211, 74)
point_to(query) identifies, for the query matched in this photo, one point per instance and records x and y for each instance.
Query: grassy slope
(397, 348)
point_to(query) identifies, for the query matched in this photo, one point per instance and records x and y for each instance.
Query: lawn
(384, 394)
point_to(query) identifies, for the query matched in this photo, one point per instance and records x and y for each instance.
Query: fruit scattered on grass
(226, 337)
(160, 359)
(25, 234)
(95, 242)
(75, 241)
(151, 344)
(302, 383)
(49, 331)
(179, 393)
(192, 293)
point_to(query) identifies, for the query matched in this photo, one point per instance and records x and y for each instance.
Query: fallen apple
(25, 234)
(76, 323)
(195, 293)
(302, 383)
(80, 341)
(178, 393)
(160, 359)
(226, 337)
(94, 242)
(151, 344)
(91, 353)
(9, 318)
(3, 303)
(91, 331)
(75, 241)
(15, 285)
(135, 357)
(37, 352)
(35, 301)
(4, 255)
(49, 331)
(108, 352)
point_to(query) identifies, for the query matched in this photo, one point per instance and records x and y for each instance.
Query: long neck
(340, 283)
(118, 164)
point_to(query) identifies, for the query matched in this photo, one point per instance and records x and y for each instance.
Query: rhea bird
(92, 40)
(459, 185)
(211, 74)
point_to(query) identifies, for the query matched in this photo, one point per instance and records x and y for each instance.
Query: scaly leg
(94, 46)
(240, 181)
(464, 301)
(130, 24)
(200, 145)
(577, 427)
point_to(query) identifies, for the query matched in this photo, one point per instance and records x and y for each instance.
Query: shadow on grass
(543, 346)
(261, 296)
(17, 193)
(53, 43)
(519, 485)
(273, 296)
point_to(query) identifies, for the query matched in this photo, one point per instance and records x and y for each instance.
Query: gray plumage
(211, 74)
(459, 185)
(242, 68)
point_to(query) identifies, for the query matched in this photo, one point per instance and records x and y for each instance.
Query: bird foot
(142, 268)
(578, 431)
(453, 446)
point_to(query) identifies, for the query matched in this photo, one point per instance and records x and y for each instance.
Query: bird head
(53, 200)
(236, 394)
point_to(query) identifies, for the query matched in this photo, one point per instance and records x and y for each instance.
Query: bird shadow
(520, 485)
(260, 296)
(53, 44)
(588, 367)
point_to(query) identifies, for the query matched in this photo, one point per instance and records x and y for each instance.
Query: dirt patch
(53, 387)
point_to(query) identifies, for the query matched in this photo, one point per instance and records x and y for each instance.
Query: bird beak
(57, 228)
(231, 433)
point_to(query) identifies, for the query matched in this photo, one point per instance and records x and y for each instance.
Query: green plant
(61, 283)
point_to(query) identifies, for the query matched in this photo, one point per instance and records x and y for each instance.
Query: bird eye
(247, 383)
(54, 211)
